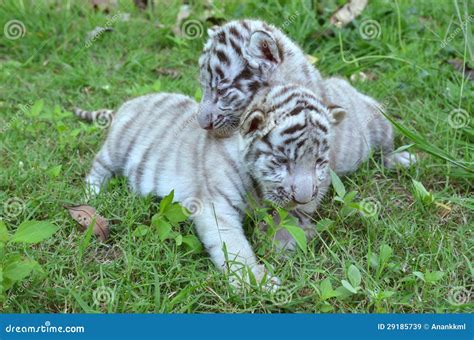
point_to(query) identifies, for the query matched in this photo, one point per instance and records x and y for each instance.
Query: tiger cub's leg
(223, 237)
(100, 173)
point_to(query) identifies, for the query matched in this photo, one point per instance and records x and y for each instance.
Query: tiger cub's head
(286, 141)
(237, 61)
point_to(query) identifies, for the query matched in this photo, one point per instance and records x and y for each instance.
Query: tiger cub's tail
(102, 117)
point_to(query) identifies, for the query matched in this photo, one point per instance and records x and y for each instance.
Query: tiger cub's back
(363, 128)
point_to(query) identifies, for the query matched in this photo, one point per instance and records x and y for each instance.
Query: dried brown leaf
(348, 12)
(85, 214)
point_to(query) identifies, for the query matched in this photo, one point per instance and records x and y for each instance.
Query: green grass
(412, 77)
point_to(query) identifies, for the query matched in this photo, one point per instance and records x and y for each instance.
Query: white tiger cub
(282, 150)
(240, 58)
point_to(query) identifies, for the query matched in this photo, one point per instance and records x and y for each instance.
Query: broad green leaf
(434, 276)
(348, 286)
(192, 243)
(337, 185)
(354, 276)
(421, 194)
(374, 260)
(385, 252)
(179, 240)
(17, 271)
(34, 231)
(350, 196)
(163, 228)
(386, 294)
(419, 275)
(54, 171)
(36, 108)
(176, 213)
(141, 230)
(4, 236)
(324, 224)
(326, 308)
(299, 235)
(327, 291)
(166, 201)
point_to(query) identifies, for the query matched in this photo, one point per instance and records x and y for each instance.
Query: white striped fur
(282, 150)
(242, 57)
(363, 129)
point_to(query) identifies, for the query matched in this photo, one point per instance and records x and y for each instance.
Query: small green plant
(421, 194)
(283, 220)
(429, 277)
(14, 265)
(355, 278)
(166, 222)
(347, 199)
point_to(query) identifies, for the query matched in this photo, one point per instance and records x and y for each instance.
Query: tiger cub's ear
(252, 123)
(337, 114)
(262, 50)
(211, 31)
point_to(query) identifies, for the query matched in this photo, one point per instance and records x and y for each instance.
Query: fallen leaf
(459, 66)
(85, 214)
(170, 72)
(348, 12)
